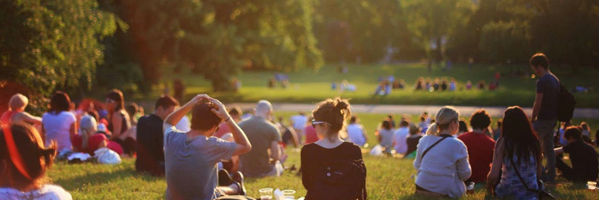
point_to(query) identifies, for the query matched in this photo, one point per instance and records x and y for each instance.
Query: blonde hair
(444, 117)
(86, 126)
(18, 101)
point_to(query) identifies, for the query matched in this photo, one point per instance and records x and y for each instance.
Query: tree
(50, 44)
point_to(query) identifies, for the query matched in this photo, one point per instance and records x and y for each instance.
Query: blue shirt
(548, 85)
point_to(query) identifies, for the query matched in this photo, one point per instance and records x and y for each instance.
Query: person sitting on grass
(332, 168)
(149, 134)
(412, 141)
(89, 139)
(400, 136)
(16, 111)
(582, 155)
(59, 125)
(480, 146)
(356, 132)
(24, 162)
(262, 160)
(385, 136)
(191, 158)
(516, 159)
(442, 159)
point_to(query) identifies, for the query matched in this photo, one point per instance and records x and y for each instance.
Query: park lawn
(309, 86)
(388, 178)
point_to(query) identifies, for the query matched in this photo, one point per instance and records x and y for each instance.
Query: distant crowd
(208, 155)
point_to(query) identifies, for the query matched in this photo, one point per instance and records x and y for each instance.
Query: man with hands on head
(191, 158)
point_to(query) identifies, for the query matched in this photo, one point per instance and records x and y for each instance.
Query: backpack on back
(341, 179)
(565, 104)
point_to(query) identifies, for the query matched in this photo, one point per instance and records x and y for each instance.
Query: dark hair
(333, 111)
(585, 126)
(60, 102)
(353, 119)
(386, 125)
(539, 59)
(117, 96)
(235, 111)
(94, 114)
(480, 120)
(36, 158)
(165, 101)
(202, 118)
(463, 127)
(499, 123)
(131, 109)
(404, 123)
(520, 139)
(573, 132)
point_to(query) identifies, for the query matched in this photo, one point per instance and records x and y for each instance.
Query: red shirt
(480, 154)
(311, 136)
(93, 142)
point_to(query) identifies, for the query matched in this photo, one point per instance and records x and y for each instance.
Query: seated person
(16, 112)
(24, 161)
(150, 154)
(191, 158)
(480, 146)
(89, 139)
(412, 141)
(582, 155)
(265, 138)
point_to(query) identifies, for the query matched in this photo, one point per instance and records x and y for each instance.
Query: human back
(261, 134)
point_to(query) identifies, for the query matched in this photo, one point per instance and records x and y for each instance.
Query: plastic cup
(289, 194)
(266, 193)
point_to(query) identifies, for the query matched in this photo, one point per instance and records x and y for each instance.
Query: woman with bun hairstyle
(24, 162)
(324, 160)
(442, 159)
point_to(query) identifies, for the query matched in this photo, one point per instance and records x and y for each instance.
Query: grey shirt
(190, 164)
(261, 134)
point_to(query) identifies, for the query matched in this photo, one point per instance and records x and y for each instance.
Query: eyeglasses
(314, 123)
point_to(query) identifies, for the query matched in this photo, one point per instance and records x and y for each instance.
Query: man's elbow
(246, 148)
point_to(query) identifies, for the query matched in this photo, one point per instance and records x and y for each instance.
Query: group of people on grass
(209, 156)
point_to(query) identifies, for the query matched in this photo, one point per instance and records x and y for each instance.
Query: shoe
(238, 179)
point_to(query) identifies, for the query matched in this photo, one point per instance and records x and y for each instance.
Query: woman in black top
(332, 168)
(119, 121)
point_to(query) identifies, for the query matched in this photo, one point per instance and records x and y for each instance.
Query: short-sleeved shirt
(548, 85)
(57, 127)
(299, 121)
(400, 136)
(47, 192)
(150, 153)
(584, 160)
(261, 134)
(386, 138)
(355, 132)
(93, 142)
(191, 170)
(480, 154)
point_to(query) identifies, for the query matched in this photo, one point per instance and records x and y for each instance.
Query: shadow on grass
(100, 178)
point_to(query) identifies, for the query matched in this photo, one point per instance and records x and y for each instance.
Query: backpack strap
(429, 148)
(520, 177)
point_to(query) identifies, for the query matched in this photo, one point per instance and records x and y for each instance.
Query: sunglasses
(314, 123)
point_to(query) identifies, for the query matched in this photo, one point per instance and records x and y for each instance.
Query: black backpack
(565, 104)
(341, 179)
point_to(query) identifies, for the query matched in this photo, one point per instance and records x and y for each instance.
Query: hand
(198, 98)
(219, 109)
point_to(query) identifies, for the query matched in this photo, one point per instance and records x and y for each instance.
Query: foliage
(48, 45)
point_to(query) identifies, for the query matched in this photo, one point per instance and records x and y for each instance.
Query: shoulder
(55, 192)
(351, 147)
(309, 148)
(456, 142)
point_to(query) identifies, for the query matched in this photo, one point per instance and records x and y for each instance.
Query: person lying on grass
(191, 158)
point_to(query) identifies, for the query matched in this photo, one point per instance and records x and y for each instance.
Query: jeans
(545, 129)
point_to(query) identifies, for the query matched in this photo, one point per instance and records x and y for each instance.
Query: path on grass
(416, 109)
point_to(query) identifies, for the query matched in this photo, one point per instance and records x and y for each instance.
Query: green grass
(309, 86)
(388, 178)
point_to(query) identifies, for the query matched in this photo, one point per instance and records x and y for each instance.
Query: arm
(275, 152)
(73, 129)
(117, 122)
(176, 116)
(243, 143)
(493, 176)
(30, 118)
(537, 105)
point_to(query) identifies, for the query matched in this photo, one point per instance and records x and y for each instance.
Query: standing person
(517, 153)
(582, 155)
(356, 132)
(299, 122)
(331, 155)
(118, 121)
(265, 138)
(480, 146)
(412, 141)
(544, 111)
(442, 159)
(400, 137)
(385, 136)
(191, 158)
(24, 162)
(58, 124)
(150, 137)
(16, 111)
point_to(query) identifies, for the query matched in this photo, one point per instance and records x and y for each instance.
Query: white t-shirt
(299, 121)
(57, 128)
(355, 134)
(47, 192)
(184, 124)
(400, 137)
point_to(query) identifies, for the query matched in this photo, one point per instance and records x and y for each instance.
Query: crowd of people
(210, 154)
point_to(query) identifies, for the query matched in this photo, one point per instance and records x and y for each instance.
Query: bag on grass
(107, 156)
(377, 150)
